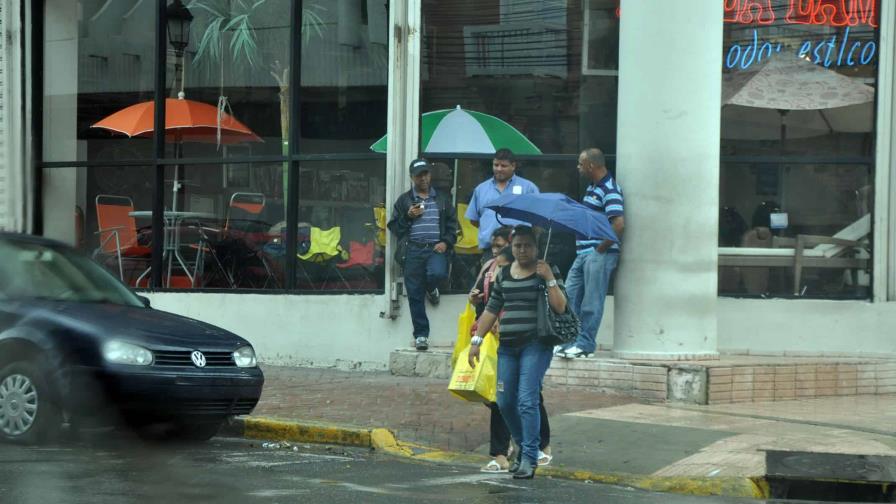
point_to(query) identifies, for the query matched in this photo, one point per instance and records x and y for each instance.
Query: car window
(39, 271)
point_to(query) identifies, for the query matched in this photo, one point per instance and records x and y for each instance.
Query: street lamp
(179, 19)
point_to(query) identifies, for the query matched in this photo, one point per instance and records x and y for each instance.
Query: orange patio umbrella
(185, 121)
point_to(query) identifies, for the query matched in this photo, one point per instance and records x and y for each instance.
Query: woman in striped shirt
(522, 359)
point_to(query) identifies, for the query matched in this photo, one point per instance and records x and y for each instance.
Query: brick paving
(417, 409)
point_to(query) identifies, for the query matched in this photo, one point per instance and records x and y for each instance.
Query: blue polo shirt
(606, 197)
(484, 194)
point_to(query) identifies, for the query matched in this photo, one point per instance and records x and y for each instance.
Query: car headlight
(119, 352)
(244, 357)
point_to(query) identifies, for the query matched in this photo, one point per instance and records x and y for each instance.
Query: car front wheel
(27, 414)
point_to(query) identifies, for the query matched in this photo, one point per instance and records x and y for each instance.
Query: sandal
(493, 467)
(544, 458)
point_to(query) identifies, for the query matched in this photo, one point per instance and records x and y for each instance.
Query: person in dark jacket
(425, 224)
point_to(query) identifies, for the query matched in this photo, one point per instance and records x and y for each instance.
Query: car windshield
(31, 270)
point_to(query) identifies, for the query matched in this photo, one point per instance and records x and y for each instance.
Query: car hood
(138, 325)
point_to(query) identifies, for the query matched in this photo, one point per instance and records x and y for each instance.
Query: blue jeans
(424, 269)
(520, 375)
(586, 286)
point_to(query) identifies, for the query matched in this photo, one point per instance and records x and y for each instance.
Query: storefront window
(227, 153)
(798, 95)
(548, 68)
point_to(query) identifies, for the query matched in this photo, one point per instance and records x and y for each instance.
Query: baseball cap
(419, 165)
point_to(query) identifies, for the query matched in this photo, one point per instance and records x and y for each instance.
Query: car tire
(28, 414)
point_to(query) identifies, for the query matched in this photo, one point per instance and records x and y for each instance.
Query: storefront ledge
(726, 379)
(385, 441)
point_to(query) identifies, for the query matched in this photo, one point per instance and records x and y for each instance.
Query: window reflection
(796, 86)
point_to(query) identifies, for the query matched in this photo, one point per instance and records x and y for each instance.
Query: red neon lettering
(832, 12)
(749, 12)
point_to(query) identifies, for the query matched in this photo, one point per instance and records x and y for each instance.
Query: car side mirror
(144, 300)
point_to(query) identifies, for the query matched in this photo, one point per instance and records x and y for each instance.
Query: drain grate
(830, 476)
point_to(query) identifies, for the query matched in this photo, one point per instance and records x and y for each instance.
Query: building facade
(753, 140)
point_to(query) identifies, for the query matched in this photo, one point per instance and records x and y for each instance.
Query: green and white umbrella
(460, 131)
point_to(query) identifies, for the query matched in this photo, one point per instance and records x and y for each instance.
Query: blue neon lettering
(871, 45)
(728, 62)
(849, 60)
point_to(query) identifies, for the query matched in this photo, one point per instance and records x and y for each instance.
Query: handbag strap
(487, 284)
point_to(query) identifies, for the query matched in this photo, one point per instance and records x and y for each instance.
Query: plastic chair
(323, 250)
(118, 230)
(467, 253)
(242, 240)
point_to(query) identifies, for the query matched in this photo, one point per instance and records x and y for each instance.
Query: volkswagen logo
(198, 358)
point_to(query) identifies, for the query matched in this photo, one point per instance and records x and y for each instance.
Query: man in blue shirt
(505, 179)
(425, 223)
(589, 276)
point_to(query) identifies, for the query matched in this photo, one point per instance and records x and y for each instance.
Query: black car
(78, 347)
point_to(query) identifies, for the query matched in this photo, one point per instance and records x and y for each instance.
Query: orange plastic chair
(118, 230)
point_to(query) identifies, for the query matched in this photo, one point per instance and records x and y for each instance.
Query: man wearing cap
(425, 224)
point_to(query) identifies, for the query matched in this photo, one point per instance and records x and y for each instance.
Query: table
(171, 248)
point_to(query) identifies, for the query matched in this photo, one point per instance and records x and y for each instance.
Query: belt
(422, 244)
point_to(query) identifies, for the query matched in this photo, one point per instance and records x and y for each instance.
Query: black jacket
(400, 223)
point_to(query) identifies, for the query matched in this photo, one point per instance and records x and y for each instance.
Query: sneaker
(421, 343)
(433, 296)
(559, 350)
(573, 352)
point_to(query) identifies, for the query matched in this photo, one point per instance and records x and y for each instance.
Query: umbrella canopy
(808, 99)
(460, 131)
(185, 120)
(555, 211)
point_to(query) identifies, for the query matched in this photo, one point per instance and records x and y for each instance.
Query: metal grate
(217, 407)
(182, 358)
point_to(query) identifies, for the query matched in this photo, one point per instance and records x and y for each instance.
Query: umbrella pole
(547, 244)
(454, 185)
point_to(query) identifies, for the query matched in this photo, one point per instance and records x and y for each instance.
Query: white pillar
(402, 124)
(670, 76)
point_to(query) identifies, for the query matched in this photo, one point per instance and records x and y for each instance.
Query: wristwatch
(552, 283)
(477, 340)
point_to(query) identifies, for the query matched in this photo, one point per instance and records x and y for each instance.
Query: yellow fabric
(465, 322)
(477, 384)
(324, 245)
(468, 242)
(379, 214)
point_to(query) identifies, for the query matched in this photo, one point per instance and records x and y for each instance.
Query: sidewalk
(592, 432)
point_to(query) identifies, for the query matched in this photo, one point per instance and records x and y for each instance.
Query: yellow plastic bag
(477, 384)
(465, 322)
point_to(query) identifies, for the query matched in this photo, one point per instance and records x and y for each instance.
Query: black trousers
(499, 438)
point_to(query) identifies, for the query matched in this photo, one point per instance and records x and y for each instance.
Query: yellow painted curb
(278, 430)
(384, 440)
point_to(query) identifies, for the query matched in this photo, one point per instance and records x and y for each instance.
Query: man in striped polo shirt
(589, 276)
(425, 223)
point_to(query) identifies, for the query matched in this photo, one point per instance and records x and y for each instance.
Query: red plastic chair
(118, 230)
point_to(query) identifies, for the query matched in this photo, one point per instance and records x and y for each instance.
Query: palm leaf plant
(228, 33)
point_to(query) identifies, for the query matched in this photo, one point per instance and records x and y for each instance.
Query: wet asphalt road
(238, 471)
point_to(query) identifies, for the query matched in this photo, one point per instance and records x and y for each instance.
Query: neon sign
(811, 12)
(826, 52)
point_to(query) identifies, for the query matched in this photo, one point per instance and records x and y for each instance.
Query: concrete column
(670, 76)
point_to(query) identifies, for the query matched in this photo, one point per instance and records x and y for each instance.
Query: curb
(384, 440)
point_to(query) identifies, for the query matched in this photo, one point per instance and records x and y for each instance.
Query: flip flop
(492, 467)
(544, 459)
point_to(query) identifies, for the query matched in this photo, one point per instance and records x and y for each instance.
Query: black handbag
(555, 328)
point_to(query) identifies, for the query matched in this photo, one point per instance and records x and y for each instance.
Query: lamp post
(179, 19)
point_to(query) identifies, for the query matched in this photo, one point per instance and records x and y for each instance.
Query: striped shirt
(606, 197)
(425, 229)
(518, 299)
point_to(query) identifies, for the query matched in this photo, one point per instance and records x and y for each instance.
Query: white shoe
(558, 349)
(573, 352)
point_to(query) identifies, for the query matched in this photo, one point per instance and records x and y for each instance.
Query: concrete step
(732, 378)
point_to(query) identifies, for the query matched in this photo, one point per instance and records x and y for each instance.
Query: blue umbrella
(555, 211)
